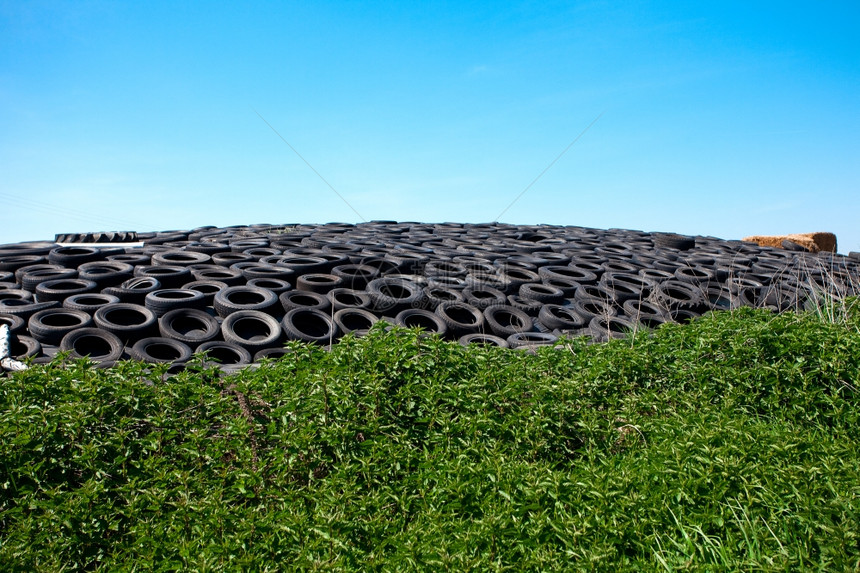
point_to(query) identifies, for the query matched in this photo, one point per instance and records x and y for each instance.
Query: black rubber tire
(230, 277)
(421, 318)
(24, 308)
(225, 353)
(30, 280)
(605, 328)
(792, 246)
(134, 290)
(294, 299)
(460, 318)
(157, 349)
(484, 297)
(71, 257)
(341, 298)
(208, 288)
(554, 316)
(530, 307)
(622, 291)
(539, 292)
(301, 265)
(226, 259)
(357, 276)
(656, 275)
(130, 322)
(319, 282)
(696, 275)
(530, 340)
(162, 301)
(674, 295)
(15, 323)
(354, 320)
(577, 275)
(236, 298)
(594, 293)
(94, 343)
(309, 325)
(170, 276)
(132, 259)
(21, 347)
(516, 277)
(436, 295)
(444, 269)
(389, 295)
(106, 273)
(478, 339)
(489, 282)
(51, 325)
(277, 286)
(259, 271)
(21, 271)
(719, 297)
(253, 330)
(89, 302)
(505, 320)
(60, 289)
(180, 258)
(635, 308)
(189, 325)
(273, 353)
(673, 241)
(588, 309)
(12, 263)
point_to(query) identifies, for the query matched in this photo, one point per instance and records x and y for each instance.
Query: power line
(529, 186)
(342, 198)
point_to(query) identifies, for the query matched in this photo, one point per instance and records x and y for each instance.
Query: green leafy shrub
(726, 444)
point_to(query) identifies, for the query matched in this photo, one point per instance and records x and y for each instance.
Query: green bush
(727, 444)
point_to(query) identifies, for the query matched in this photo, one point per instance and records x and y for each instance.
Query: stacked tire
(239, 293)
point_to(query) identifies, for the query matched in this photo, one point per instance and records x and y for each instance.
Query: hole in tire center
(421, 321)
(251, 329)
(175, 294)
(303, 300)
(245, 298)
(482, 294)
(217, 274)
(61, 320)
(310, 324)
(508, 319)
(355, 321)
(347, 299)
(162, 351)
(461, 315)
(224, 355)
(321, 279)
(395, 291)
(92, 300)
(189, 326)
(125, 317)
(678, 294)
(66, 285)
(92, 346)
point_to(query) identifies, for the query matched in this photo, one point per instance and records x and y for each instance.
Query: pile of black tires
(238, 293)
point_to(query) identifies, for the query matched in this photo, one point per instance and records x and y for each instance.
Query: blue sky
(724, 119)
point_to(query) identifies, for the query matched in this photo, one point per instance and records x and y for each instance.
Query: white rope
(6, 360)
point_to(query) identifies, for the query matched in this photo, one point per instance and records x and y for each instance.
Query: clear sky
(713, 118)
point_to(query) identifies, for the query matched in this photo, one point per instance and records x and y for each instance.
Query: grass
(729, 444)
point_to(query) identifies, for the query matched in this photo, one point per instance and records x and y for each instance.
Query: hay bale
(812, 242)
